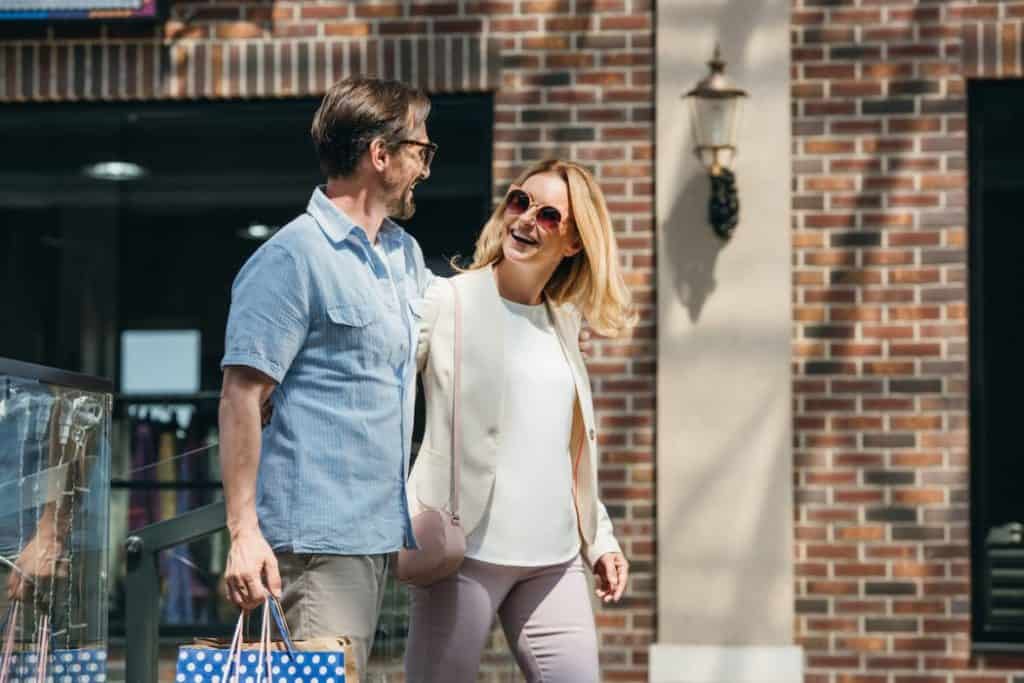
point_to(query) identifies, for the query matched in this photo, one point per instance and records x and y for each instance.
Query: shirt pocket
(355, 330)
(352, 315)
(367, 336)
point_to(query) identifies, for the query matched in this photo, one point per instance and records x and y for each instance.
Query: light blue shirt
(314, 309)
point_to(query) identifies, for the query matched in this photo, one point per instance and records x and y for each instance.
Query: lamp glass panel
(734, 123)
(714, 120)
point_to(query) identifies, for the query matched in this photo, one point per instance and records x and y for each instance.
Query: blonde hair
(591, 280)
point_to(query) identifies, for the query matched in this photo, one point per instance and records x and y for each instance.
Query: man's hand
(251, 569)
(37, 560)
(612, 573)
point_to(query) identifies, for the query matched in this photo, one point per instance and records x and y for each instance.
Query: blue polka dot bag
(320, 660)
(65, 666)
(40, 663)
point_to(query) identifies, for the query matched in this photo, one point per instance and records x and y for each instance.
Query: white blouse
(531, 519)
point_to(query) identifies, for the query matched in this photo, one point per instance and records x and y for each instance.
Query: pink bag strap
(456, 383)
(263, 661)
(233, 661)
(43, 649)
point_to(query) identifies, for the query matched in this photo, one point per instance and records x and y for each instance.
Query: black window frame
(986, 635)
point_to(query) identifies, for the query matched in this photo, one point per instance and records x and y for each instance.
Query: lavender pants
(545, 612)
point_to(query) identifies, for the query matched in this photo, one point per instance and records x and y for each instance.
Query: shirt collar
(333, 221)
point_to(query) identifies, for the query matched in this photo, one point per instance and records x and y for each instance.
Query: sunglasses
(427, 150)
(519, 202)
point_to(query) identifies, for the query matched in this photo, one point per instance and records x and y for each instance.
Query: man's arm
(251, 563)
(38, 559)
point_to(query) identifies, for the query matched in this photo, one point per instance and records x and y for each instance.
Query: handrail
(142, 583)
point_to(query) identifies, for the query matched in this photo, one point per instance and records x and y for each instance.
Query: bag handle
(263, 659)
(43, 649)
(7, 619)
(10, 625)
(275, 609)
(234, 654)
(457, 362)
(271, 611)
(42, 644)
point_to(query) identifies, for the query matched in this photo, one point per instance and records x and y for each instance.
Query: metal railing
(142, 583)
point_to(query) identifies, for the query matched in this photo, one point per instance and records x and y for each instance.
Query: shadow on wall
(728, 608)
(689, 237)
(717, 570)
(751, 41)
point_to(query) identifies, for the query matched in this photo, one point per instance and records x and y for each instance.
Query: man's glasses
(427, 150)
(519, 202)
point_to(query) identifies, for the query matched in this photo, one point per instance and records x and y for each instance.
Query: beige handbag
(439, 533)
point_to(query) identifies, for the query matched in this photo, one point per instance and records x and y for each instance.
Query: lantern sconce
(715, 110)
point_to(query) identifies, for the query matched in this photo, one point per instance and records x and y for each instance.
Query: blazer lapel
(483, 351)
(582, 443)
(568, 336)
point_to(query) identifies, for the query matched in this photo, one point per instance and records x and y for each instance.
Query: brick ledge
(725, 664)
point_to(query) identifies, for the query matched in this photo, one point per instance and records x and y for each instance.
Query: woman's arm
(604, 539)
(425, 315)
(611, 569)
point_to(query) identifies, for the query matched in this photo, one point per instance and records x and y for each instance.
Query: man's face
(407, 167)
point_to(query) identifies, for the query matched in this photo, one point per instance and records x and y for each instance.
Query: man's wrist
(46, 534)
(243, 527)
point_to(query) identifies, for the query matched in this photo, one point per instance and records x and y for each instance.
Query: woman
(529, 497)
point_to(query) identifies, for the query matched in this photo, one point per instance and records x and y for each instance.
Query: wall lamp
(715, 111)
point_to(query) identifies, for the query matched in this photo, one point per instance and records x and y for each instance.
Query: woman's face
(533, 241)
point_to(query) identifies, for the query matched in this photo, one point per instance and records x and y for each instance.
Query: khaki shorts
(334, 595)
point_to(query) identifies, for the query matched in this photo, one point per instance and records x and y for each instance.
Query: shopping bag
(320, 660)
(39, 664)
(23, 665)
(86, 665)
(81, 665)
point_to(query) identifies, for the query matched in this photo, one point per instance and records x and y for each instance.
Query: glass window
(160, 361)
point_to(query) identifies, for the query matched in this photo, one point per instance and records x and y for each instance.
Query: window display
(54, 504)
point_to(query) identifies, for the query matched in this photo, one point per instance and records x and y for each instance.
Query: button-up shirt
(315, 309)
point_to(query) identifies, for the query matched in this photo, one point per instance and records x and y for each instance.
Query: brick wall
(880, 341)
(573, 79)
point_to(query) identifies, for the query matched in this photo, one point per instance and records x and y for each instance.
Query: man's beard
(401, 204)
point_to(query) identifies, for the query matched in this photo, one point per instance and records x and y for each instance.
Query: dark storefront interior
(996, 336)
(129, 277)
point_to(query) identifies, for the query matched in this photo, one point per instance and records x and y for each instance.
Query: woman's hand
(612, 572)
(586, 346)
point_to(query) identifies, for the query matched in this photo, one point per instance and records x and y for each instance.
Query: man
(320, 326)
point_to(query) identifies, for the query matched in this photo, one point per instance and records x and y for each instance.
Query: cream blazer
(480, 406)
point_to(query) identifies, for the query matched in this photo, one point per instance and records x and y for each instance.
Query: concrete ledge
(725, 664)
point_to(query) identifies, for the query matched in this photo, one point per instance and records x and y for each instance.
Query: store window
(996, 176)
(160, 361)
(122, 227)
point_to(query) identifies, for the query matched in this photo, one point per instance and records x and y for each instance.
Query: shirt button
(591, 434)
(493, 431)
